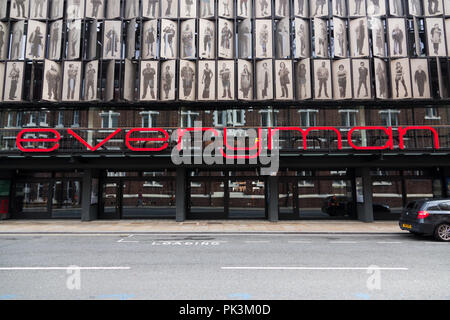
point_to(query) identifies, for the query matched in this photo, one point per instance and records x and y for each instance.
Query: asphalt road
(218, 266)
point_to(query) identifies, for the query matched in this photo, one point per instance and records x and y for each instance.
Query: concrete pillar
(180, 195)
(88, 209)
(365, 209)
(272, 193)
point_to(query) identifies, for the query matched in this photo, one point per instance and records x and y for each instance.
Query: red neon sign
(129, 138)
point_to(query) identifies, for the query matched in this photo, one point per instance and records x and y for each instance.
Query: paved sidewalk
(162, 226)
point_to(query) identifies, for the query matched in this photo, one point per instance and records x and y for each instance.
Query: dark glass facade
(98, 66)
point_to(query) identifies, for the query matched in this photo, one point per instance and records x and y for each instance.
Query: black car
(427, 217)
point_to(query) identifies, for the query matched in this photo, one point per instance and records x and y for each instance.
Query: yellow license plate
(407, 226)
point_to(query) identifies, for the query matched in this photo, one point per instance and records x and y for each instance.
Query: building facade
(349, 97)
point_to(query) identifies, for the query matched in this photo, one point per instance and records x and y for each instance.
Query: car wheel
(442, 232)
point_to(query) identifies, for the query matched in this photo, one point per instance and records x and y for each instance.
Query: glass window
(348, 117)
(389, 118)
(308, 118)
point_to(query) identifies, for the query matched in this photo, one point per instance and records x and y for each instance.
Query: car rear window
(445, 206)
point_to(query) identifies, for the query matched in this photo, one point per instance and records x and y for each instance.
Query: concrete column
(365, 210)
(88, 210)
(273, 198)
(180, 195)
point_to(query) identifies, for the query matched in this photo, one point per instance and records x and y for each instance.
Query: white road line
(129, 236)
(343, 242)
(63, 268)
(389, 242)
(314, 268)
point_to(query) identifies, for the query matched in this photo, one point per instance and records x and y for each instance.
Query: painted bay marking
(123, 239)
(315, 268)
(62, 268)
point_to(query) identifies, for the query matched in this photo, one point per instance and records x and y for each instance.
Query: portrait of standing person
(436, 40)
(433, 7)
(263, 8)
(397, 37)
(55, 37)
(187, 39)
(321, 38)
(167, 80)
(415, 8)
(342, 79)
(322, 85)
(150, 8)
(19, 9)
(304, 79)
(378, 40)
(301, 7)
(91, 81)
(169, 38)
(188, 8)
(359, 42)
(56, 9)
(206, 89)
(3, 40)
(264, 80)
(283, 8)
(421, 83)
(282, 45)
(340, 8)
(263, 38)
(74, 37)
(340, 37)
(208, 37)
(148, 78)
(320, 7)
(72, 81)
(14, 79)
(150, 38)
(112, 39)
(245, 80)
(361, 70)
(245, 39)
(53, 80)
(302, 46)
(357, 8)
(187, 75)
(284, 80)
(36, 40)
(75, 9)
(225, 8)
(225, 41)
(401, 78)
(206, 8)
(96, 9)
(17, 40)
(396, 7)
(226, 74)
(132, 8)
(38, 9)
(381, 79)
(244, 8)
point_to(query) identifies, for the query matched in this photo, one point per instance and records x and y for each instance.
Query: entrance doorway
(316, 195)
(226, 195)
(137, 196)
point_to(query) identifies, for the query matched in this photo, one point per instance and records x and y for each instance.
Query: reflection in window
(269, 117)
(148, 118)
(348, 117)
(110, 119)
(389, 117)
(308, 117)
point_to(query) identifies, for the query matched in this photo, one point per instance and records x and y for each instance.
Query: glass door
(111, 201)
